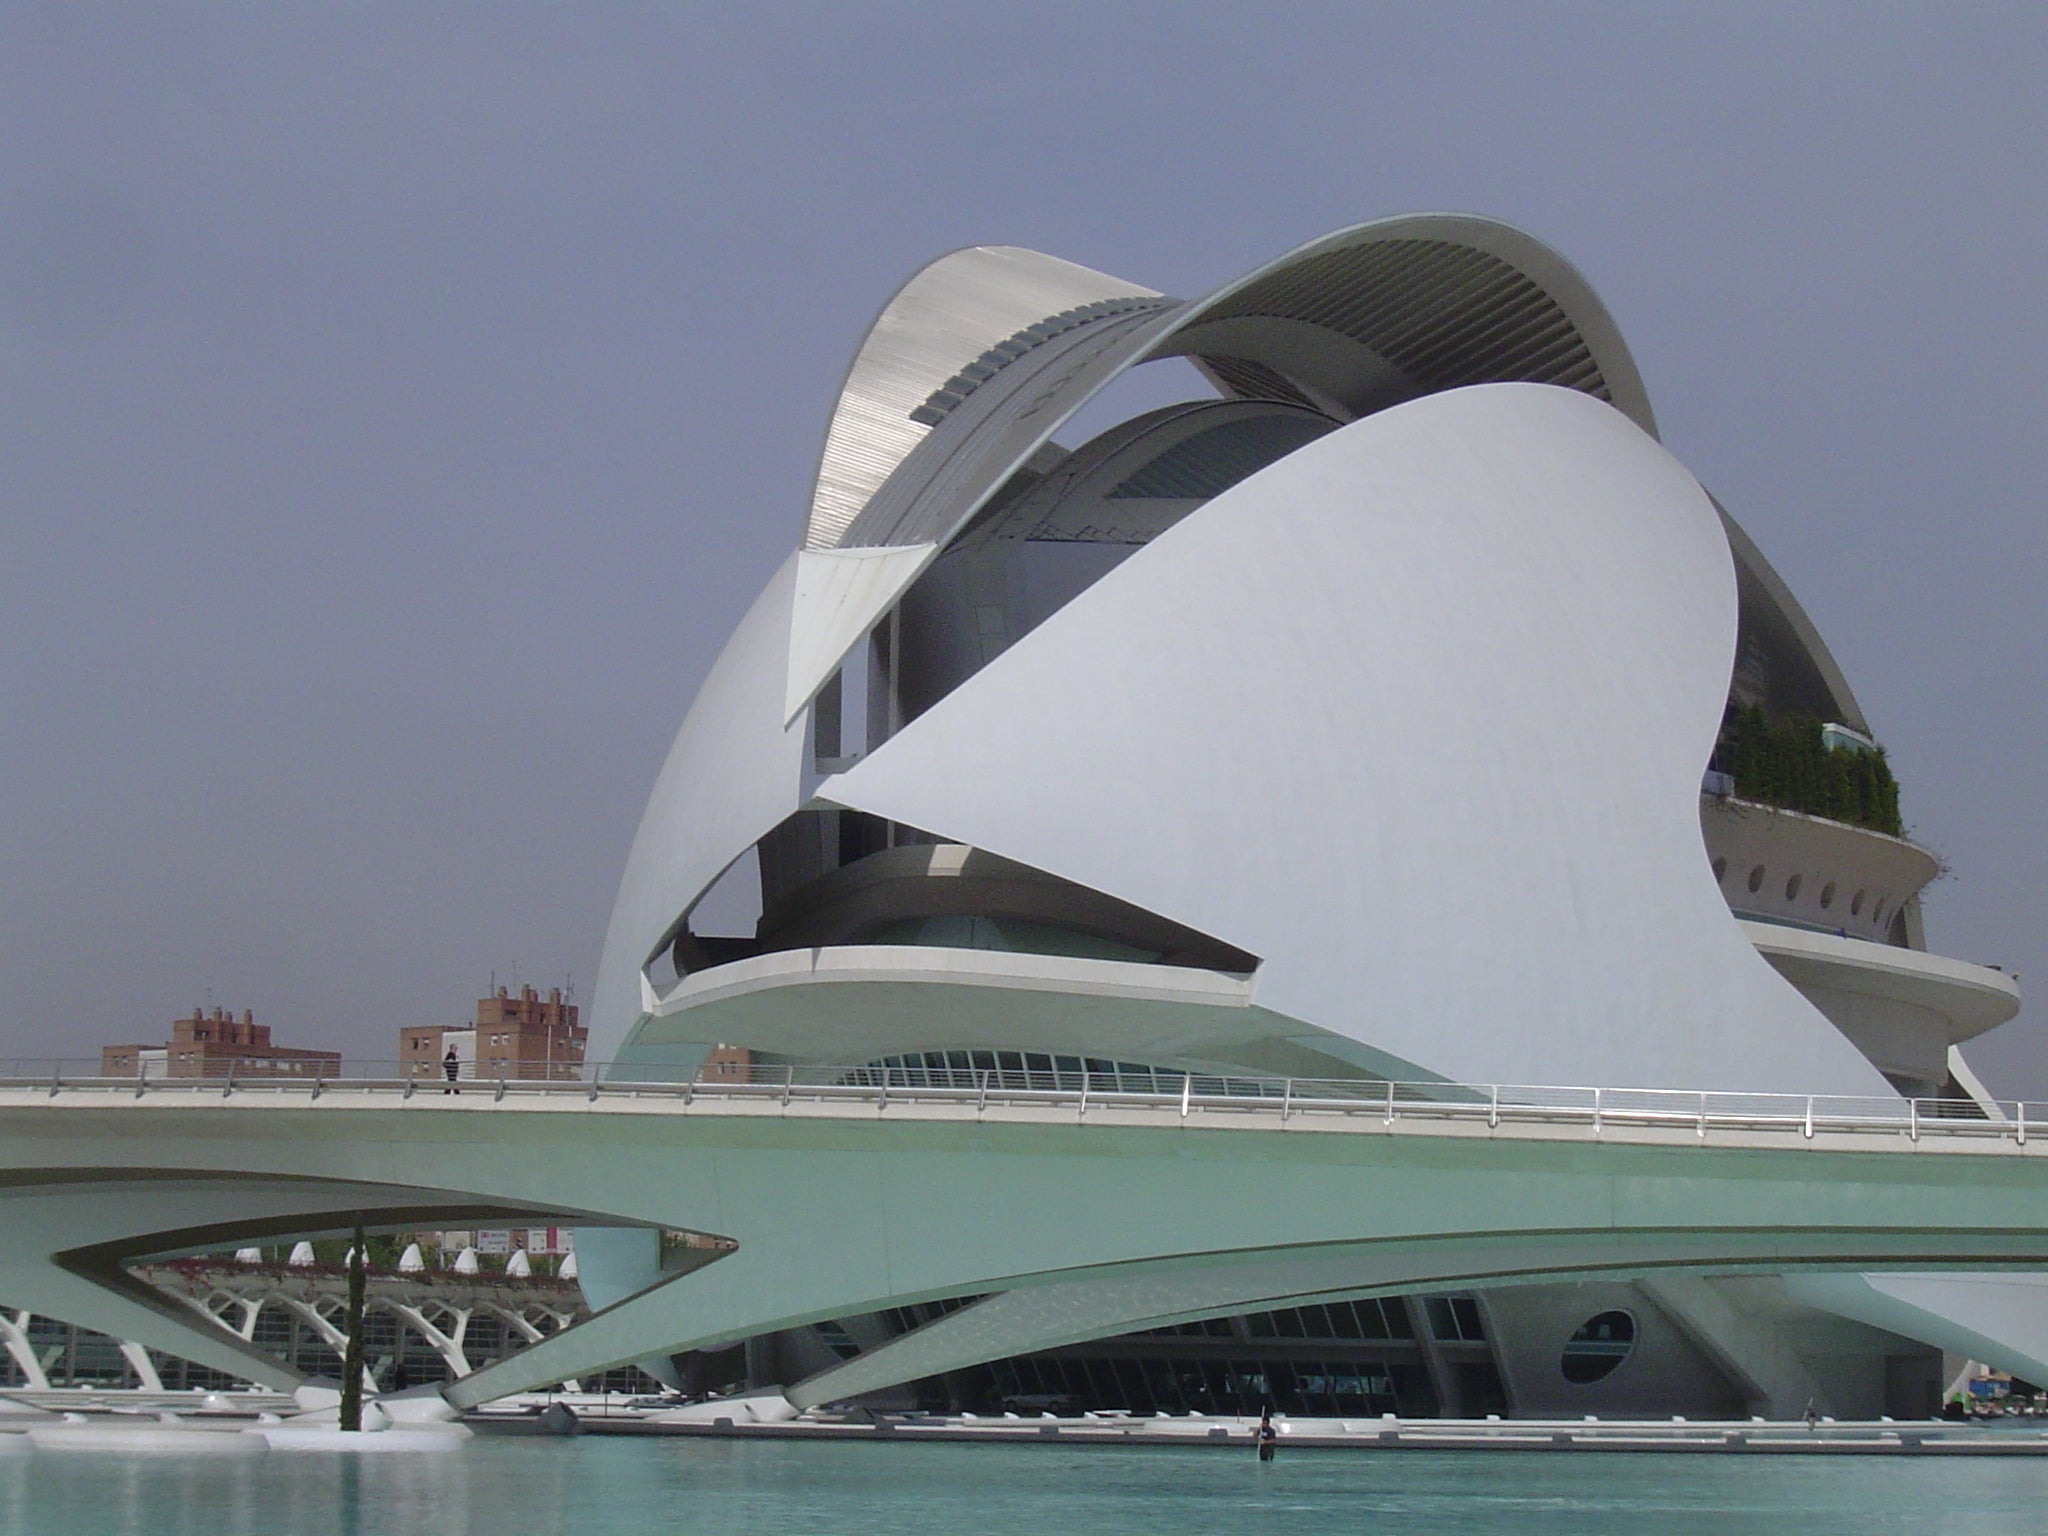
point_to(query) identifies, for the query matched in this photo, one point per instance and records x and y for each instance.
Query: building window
(1827, 895)
(1453, 1319)
(1792, 888)
(1856, 905)
(1756, 878)
(1598, 1348)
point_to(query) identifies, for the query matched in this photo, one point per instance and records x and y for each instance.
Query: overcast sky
(401, 405)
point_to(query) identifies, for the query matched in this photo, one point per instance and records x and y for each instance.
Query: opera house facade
(1329, 678)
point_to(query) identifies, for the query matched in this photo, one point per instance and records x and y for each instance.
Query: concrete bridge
(1073, 1209)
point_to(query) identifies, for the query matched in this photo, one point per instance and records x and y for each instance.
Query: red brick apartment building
(216, 1045)
(523, 1036)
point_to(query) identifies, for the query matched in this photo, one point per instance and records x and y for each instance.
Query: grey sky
(400, 405)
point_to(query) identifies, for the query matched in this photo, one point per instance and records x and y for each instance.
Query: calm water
(605, 1487)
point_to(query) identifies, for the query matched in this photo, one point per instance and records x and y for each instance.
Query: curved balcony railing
(1161, 1093)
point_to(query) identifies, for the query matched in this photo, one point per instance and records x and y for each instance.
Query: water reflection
(598, 1487)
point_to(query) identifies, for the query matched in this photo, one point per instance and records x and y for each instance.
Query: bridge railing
(1095, 1087)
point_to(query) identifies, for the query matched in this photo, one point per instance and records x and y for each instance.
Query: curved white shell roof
(1415, 714)
(950, 312)
(1354, 321)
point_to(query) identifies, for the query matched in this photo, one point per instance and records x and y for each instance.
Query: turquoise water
(612, 1487)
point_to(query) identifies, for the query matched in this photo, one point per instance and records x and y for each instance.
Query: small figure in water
(1812, 1418)
(1268, 1436)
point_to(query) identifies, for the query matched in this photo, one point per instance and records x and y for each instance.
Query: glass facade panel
(1455, 1319)
(1309, 1387)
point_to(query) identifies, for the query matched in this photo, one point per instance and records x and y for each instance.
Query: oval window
(1756, 878)
(1856, 905)
(1600, 1345)
(1827, 894)
(1792, 889)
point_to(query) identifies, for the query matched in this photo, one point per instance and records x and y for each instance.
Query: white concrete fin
(734, 772)
(839, 596)
(1998, 1318)
(1971, 1084)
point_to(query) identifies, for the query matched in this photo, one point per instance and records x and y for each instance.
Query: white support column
(1747, 1349)
(1443, 1385)
(144, 1367)
(330, 1333)
(519, 1323)
(447, 1346)
(205, 1306)
(14, 1334)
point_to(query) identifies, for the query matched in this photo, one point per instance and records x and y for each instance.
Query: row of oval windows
(1792, 888)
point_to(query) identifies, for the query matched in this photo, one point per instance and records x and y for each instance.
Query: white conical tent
(301, 1256)
(412, 1261)
(568, 1269)
(248, 1255)
(517, 1267)
(465, 1262)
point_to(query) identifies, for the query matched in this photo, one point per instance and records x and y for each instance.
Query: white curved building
(1346, 719)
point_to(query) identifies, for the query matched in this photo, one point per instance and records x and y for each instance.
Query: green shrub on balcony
(1781, 760)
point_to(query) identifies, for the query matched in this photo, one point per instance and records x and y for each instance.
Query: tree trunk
(352, 1357)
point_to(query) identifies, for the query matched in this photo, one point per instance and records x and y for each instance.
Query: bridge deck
(1396, 1109)
(1074, 1205)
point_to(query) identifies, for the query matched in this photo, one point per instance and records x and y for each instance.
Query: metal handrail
(1185, 1097)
